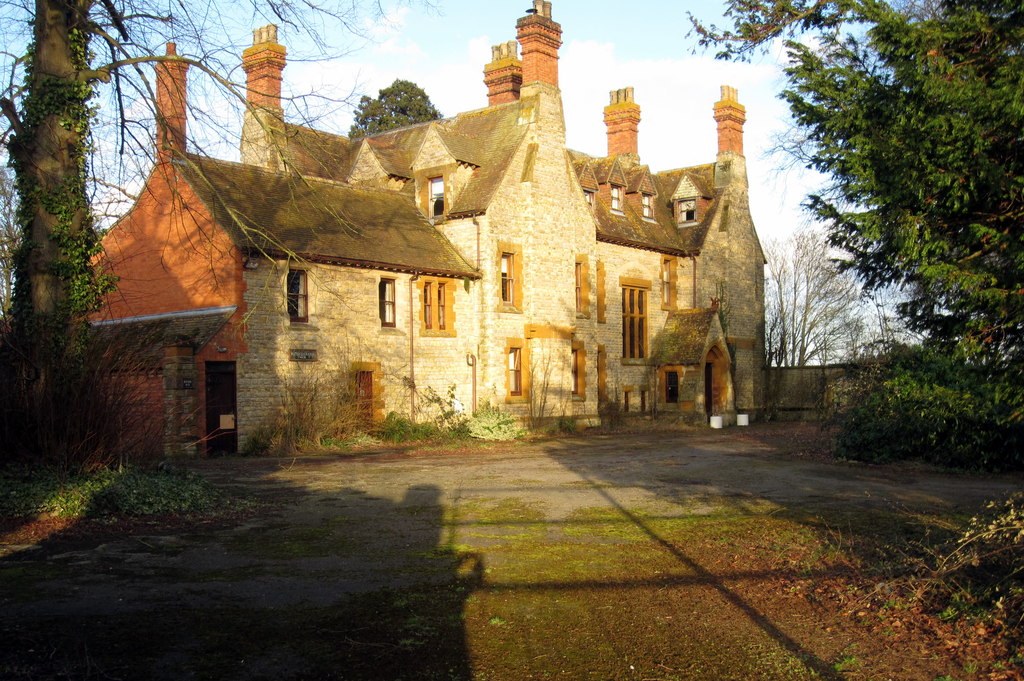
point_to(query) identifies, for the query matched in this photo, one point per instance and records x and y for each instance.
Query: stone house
(475, 252)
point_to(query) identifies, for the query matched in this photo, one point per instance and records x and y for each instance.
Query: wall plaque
(303, 355)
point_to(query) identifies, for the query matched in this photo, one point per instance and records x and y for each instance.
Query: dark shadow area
(320, 583)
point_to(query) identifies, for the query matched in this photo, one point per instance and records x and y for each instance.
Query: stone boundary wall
(801, 393)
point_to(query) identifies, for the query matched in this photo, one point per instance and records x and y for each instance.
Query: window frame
(616, 199)
(635, 311)
(297, 302)
(386, 289)
(428, 305)
(683, 217)
(509, 277)
(433, 196)
(441, 307)
(647, 206)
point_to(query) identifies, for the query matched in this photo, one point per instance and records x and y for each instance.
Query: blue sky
(644, 44)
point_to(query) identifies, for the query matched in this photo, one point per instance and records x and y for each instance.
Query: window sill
(579, 398)
(392, 331)
(304, 326)
(635, 361)
(517, 399)
(582, 315)
(436, 333)
(510, 309)
(616, 212)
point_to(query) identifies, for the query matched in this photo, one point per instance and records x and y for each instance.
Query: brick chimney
(540, 38)
(504, 75)
(263, 64)
(170, 106)
(730, 116)
(622, 117)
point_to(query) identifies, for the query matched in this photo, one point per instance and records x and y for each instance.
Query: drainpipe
(471, 361)
(412, 346)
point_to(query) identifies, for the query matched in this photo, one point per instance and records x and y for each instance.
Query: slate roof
(278, 213)
(628, 227)
(684, 337)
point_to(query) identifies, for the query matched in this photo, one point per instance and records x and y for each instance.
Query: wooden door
(221, 432)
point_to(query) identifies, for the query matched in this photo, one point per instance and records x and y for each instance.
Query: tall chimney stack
(171, 120)
(730, 116)
(504, 75)
(540, 38)
(263, 64)
(622, 117)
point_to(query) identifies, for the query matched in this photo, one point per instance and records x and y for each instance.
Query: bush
(491, 423)
(398, 428)
(27, 491)
(919, 405)
(99, 405)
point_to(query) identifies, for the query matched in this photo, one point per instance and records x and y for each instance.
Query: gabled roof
(693, 181)
(685, 336)
(396, 149)
(627, 227)
(285, 214)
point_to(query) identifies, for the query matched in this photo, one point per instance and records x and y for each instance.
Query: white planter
(742, 420)
(716, 421)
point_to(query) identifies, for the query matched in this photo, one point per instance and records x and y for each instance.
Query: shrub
(317, 405)
(919, 405)
(450, 416)
(491, 423)
(398, 428)
(100, 405)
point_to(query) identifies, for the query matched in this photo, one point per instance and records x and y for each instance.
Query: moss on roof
(317, 219)
(318, 153)
(685, 336)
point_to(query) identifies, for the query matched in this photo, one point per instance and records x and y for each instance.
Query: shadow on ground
(326, 583)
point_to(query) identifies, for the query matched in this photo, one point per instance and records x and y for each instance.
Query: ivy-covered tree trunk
(56, 286)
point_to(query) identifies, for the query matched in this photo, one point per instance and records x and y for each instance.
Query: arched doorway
(716, 382)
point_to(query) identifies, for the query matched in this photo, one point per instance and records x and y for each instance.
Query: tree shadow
(324, 582)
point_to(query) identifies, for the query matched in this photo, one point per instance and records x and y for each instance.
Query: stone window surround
(636, 349)
(506, 248)
(438, 327)
(582, 278)
(669, 285)
(521, 345)
(578, 365)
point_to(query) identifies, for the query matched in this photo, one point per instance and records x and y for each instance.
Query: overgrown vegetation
(921, 405)
(98, 409)
(982, 573)
(32, 490)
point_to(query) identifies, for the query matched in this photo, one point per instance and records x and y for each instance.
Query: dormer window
(647, 206)
(686, 210)
(436, 203)
(616, 199)
(589, 196)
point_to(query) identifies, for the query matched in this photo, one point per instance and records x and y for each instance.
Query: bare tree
(9, 238)
(812, 308)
